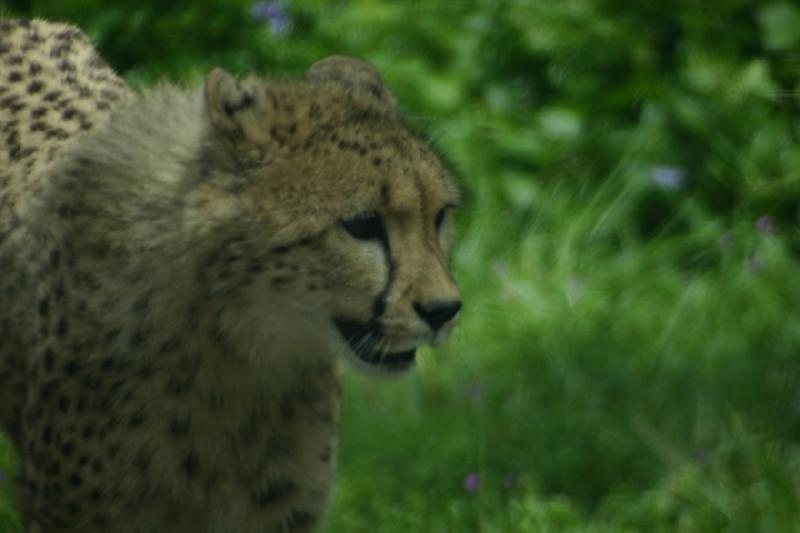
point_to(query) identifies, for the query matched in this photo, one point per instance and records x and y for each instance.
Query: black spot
(54, 469)
(169, 346)
(88, 431)
(91, 382)
(47, 434)
(190, 464)
(181, 378)
(69, 114)
(287, 408)
(273, 493)
(97, 466)
(71, 367)
(179, 426)
(107, 364)
(48, 359)
(59, 290)
(44, 308)
(63, 404)
(75, 479)
(61, 328)
(35, 86)
(59, 50)
(67, 449)
(57, 133)
(8, 102)
(146, 372)
(141, 304)
(136, 420)
(298, 519)
(112, 335)
(279, 282)
(142, 460)
(138, 337)
(52, 96)
(326, 454)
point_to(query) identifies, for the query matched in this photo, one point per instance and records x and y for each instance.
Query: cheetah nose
(437, 314)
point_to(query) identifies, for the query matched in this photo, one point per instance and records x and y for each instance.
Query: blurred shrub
(532, 93)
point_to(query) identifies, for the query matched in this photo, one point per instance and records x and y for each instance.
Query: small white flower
(668, 178)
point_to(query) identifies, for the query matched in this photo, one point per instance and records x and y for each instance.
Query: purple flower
(725, 240)
(766, 224)
(755, 265)
(273, 13)
(668, 178)
(500, 269)
(474, 390)
(472, 482)
(509, 481)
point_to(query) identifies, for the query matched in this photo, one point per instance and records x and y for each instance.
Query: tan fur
(181, 271)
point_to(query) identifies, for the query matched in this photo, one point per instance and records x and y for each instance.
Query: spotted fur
(181, 272)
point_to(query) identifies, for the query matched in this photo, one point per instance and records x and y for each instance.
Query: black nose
(437, 313)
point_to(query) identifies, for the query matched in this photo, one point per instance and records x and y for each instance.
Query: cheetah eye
(441, 216)
(365, 227)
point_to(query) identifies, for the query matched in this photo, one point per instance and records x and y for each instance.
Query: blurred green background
(628, 355)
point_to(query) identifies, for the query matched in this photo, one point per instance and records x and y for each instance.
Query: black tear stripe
(379, 305)
(363, 338)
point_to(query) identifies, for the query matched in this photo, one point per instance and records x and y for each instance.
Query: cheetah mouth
(365, 342)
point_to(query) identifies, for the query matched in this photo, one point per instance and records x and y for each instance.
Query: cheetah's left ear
(224, 98)
(231, 105)
(354, 74)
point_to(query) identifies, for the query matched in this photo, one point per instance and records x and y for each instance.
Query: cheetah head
(344, 244)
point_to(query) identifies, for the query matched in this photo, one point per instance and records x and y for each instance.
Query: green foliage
(627, 359)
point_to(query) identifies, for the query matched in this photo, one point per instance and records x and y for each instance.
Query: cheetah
(182, 272)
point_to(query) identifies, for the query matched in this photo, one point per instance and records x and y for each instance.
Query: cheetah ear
(354, 74)
(227, 102)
